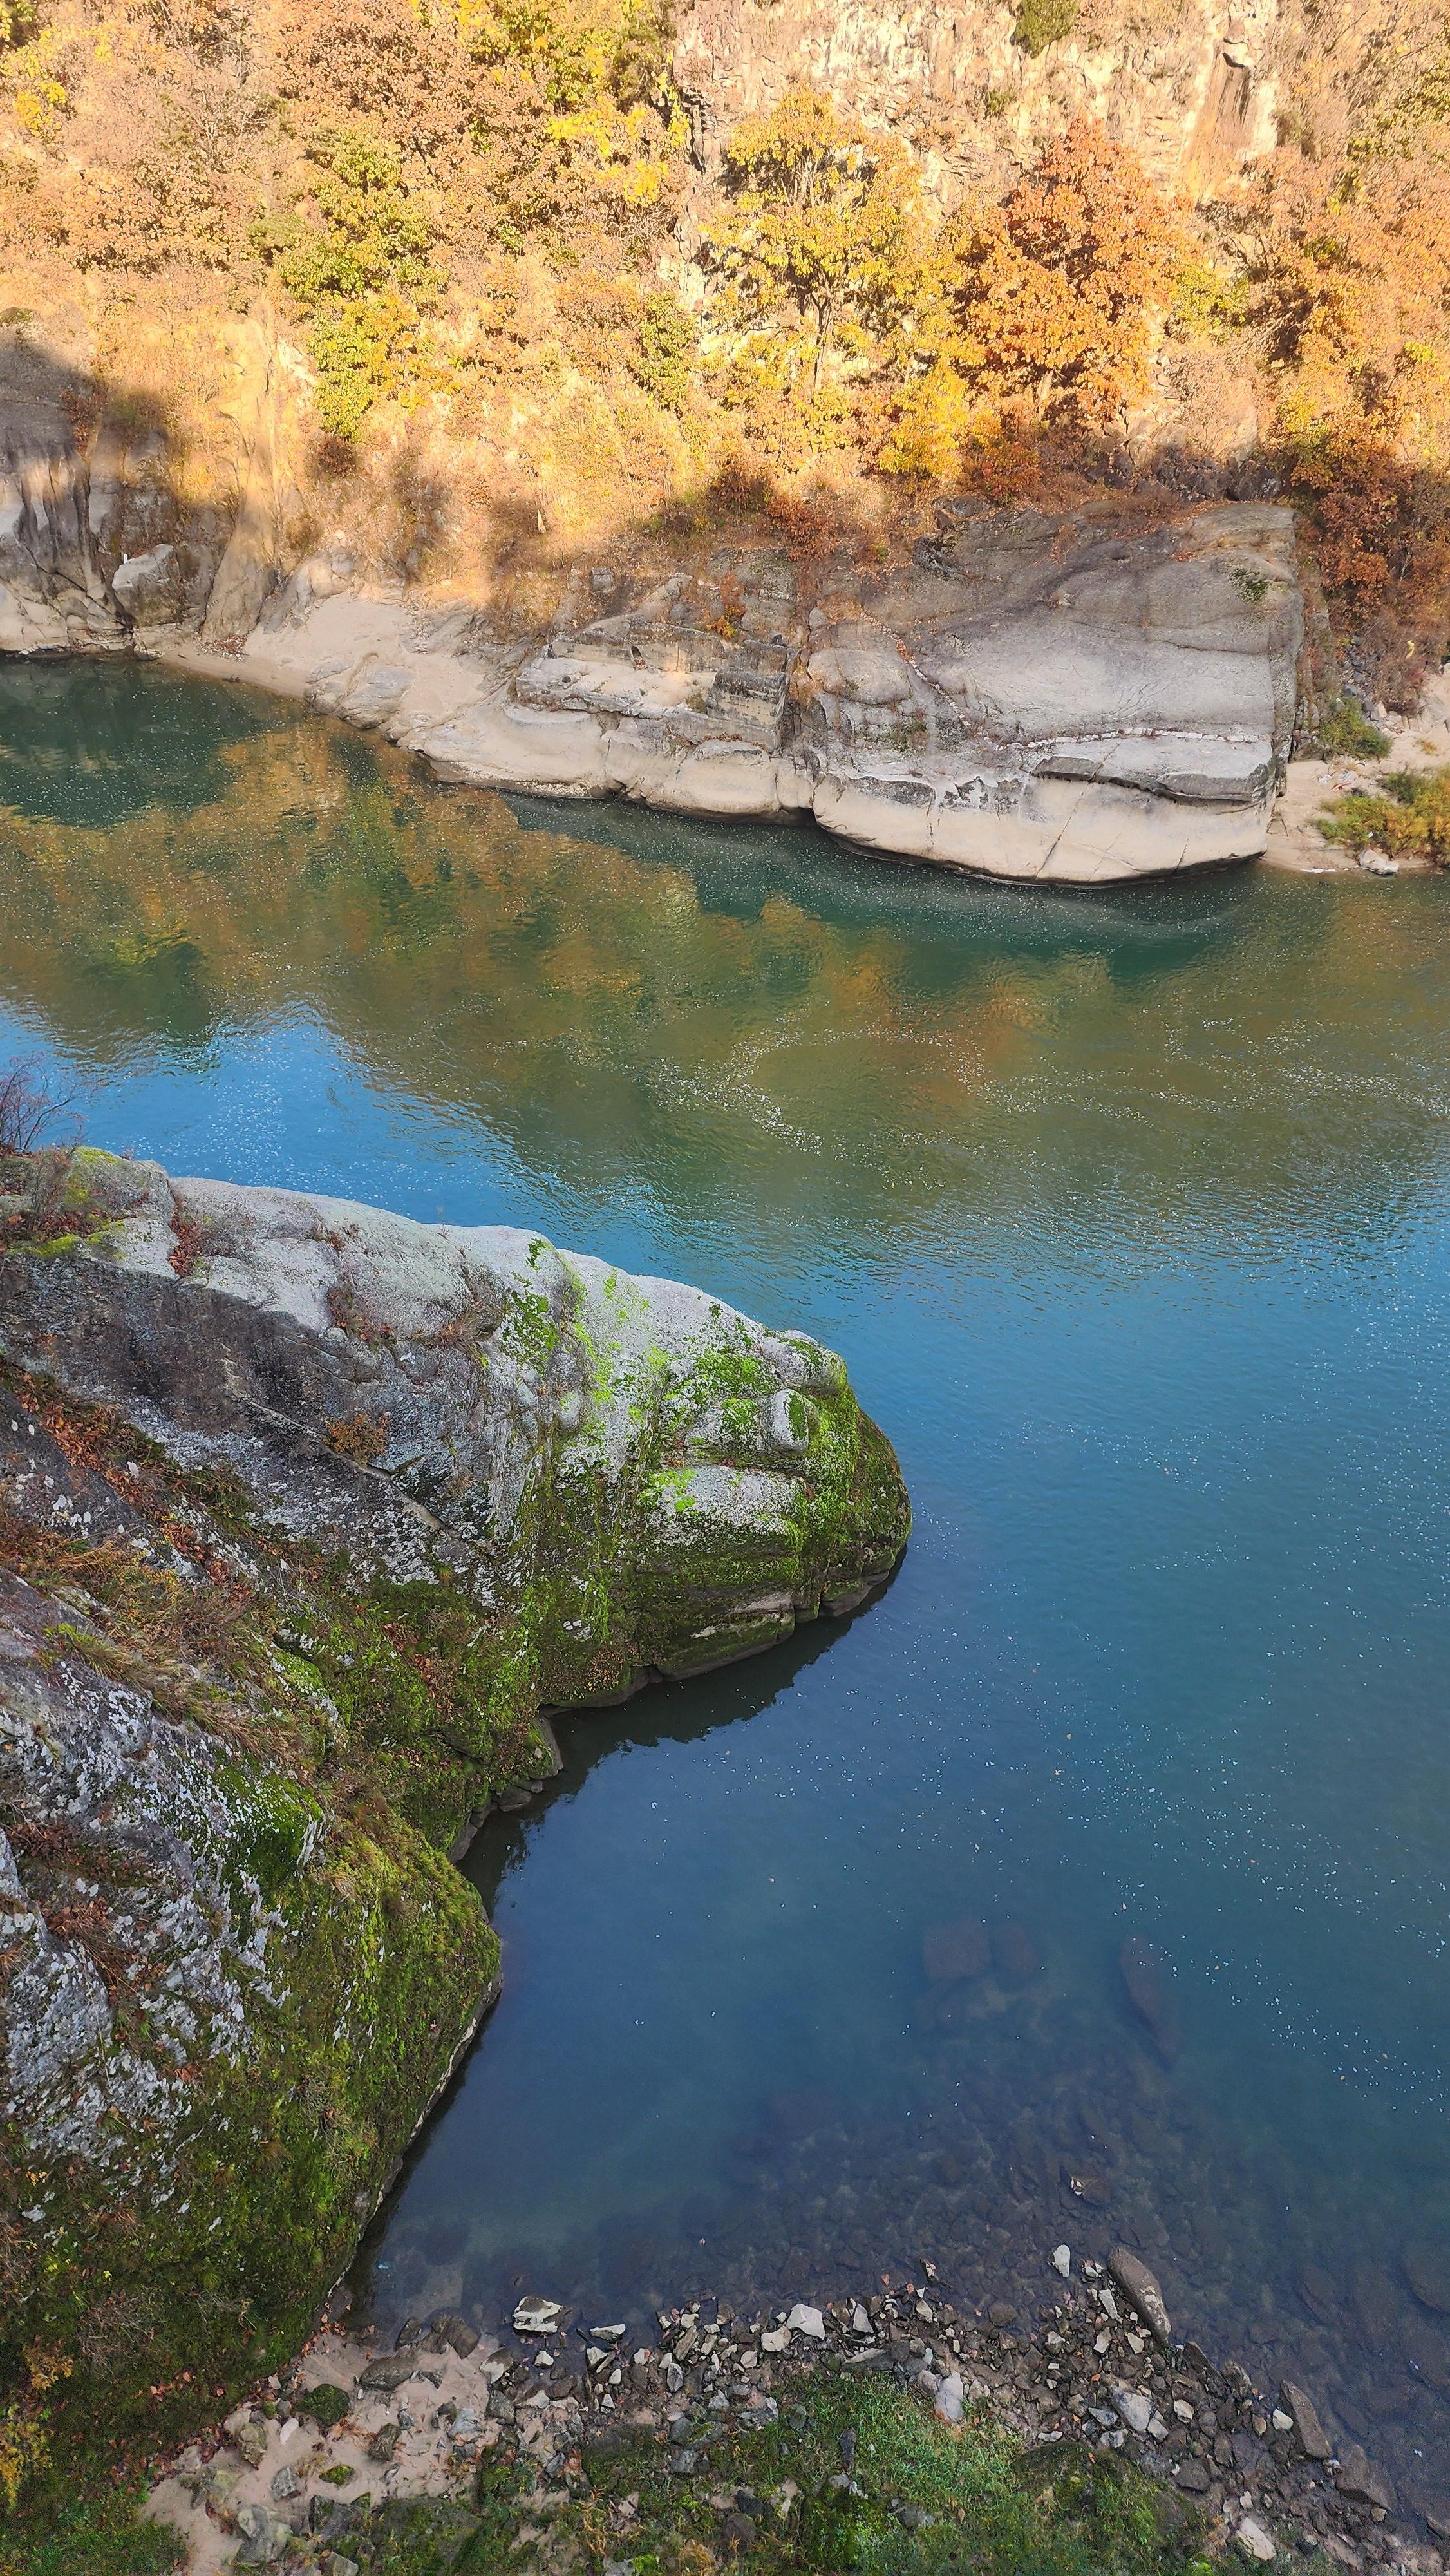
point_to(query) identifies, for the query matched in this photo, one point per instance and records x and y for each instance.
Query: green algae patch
(235, 2166)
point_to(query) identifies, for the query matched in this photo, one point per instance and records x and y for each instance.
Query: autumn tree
(1049, 298)
(1348, 291)
(818, 238)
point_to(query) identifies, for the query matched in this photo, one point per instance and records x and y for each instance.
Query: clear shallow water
(1131, 1218)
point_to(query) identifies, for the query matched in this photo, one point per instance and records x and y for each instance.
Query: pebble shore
(354, 2431)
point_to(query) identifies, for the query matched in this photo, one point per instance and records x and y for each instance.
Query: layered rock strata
(1075, 697)
(1053, 698)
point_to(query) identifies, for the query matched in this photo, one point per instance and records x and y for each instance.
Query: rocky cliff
(308, 1516)
(1060, 697)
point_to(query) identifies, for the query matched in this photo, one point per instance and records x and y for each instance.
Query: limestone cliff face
(1192, 88)
(1080, 695)
(307, 1513)
(1076, 696)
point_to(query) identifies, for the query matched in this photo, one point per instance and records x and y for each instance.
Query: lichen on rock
(309, 1515)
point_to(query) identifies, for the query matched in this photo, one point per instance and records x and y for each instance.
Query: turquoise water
(1131, 1218)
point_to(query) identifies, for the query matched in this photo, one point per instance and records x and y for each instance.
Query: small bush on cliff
(1041, 23)
(1346, 731)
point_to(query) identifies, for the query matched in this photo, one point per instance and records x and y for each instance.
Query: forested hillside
(509, 274)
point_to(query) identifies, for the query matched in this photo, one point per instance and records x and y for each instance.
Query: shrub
(1041, 23)
(666, 350)
(1346, 730)
(27, 1108)
(1410, 818)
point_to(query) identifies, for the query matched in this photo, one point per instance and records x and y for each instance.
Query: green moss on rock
(270, 1678)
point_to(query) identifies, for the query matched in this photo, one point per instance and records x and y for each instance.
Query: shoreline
(446, 2415)
(1292, 845)
(998, 704)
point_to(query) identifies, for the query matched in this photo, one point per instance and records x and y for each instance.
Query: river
(1131, 1216)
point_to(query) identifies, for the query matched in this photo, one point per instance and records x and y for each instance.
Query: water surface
(1129, 1215)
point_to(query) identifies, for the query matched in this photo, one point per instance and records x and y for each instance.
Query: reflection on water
(1130, 1216)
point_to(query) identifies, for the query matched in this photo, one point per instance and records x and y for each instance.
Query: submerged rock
(951, 1951)
(1313, 2441)
(1363, 2483)
(1427, 2269)
(1014, 1955)
(332, 1506)
(1149, 1983)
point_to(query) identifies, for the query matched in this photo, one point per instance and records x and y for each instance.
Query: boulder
(955, 1950)
(1149, 1984)
(148, 586)
(1313, 2441)
(1138, 2286)
(331, 1505)
(1427, 2269)
(1255, 2541)
(1361, 2482)
(1014, 1955)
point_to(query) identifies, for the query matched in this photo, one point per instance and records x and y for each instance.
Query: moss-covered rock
(307, 1516)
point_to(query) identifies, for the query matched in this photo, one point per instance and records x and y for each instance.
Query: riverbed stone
(1427, 2269)
(1256, 2543)
(1313, 2441)
(1149, 1985)
(1014, 1955)
(961, 1948)
(536, 2315)
(1138, 2285)
(1361, 2481)
(806, 2321)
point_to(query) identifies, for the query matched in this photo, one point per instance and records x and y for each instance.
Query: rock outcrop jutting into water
(309, 1514)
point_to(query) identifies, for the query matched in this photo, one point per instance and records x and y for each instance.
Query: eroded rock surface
(307, 1514)
(1067, 699)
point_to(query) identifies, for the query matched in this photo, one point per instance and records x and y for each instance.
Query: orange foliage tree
(1346, 274)
(1051, 295)
(1044, 304)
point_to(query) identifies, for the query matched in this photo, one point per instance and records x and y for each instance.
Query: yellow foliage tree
(820, 238)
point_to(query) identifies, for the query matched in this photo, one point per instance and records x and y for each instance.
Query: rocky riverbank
(1074, 694)
(1068, 697)
(562, 2441)
(309, 1516)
